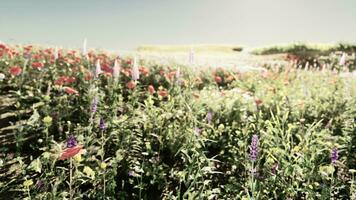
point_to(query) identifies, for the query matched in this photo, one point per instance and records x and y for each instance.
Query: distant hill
(187, 48)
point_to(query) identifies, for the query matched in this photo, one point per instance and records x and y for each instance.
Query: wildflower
(151, 89)
(116, 70)
(163, 93)
(342, 60)
(131, 85)
(103, 165)
(135, 72)
(102, 124)
(258, 102)
(70, 90)
(191, 56)
(78, 158)
(71, 142)
(209, 117)
(55, 54)
(15, 70)
(39, 184)
(94, 105)
(47, 120)
(71, 152)
(98, 69)
(2, 76)
(254, 148)
(334, 156)
(84, 49)
(197, 131)
(218, 79)
(37, 65)
(131, 173)
(28, 183)
(89, 172)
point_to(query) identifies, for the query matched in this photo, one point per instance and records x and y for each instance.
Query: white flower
(135, 72)
(116, 69)
(97, 69)
(2, 76)
(55, 54)
(342, 59)
(84, 49)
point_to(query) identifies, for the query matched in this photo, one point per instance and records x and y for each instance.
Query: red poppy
(70, 152)
(151, 89)
(15, 70)
(88, 76)
(131, 85)
(37, 65)
(258, 102)
(218, 79)
(143, 70)
(163, 93)
(70, 90)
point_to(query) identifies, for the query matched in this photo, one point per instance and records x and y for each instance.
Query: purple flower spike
(94, 105)
(71, 142)
(254, 148)
(102, 124)
(209, 117)
(334, 156)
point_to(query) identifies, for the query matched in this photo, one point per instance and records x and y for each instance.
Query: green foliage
(162, 145)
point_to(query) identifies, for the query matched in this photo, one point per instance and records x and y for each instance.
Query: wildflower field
(91, 125)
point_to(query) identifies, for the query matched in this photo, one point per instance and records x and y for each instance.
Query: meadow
(94, 125)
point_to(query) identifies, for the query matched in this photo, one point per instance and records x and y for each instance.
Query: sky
(126, 24)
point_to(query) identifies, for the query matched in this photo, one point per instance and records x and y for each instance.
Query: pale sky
(126, 24)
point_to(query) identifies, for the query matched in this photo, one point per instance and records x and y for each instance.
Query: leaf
(36, 165)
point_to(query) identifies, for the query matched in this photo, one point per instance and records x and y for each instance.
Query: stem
(28, 192)
(252, 180)
(331, 184)
(70, 179)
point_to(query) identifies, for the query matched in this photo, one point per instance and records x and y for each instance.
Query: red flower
(70, 152)
(15, 70)
(131, 85)
(258, 102)
(88, 76)
(37, 65)
(218, 79)
(151, 89)
(163, 93)
(70, 90)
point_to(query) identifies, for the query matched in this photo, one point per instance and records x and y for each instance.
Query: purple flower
(102, 124)
(254, 148)
(334, 156)
(131, 173)
(39, 184)
(94, 105)
(197, 131)
(71, 142)
(209, 117)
